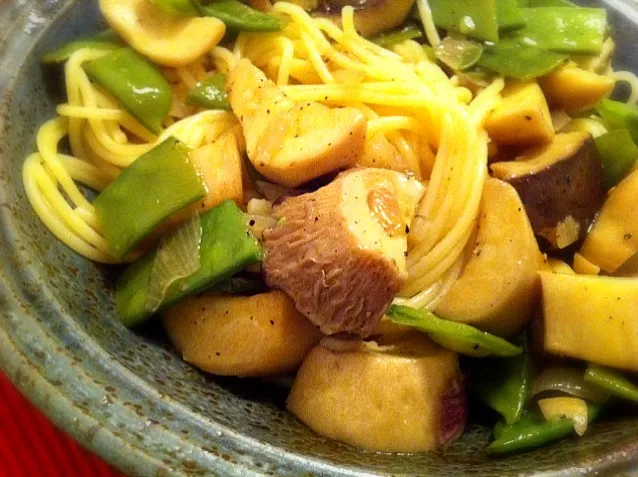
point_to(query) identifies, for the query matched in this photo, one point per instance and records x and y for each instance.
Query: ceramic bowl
(126, 395)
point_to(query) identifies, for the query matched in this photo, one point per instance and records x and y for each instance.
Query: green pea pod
(532, 431)
(612, 381)
(564, 29)
(138, 85)
(618, 153)
(504, 384)
(158, 184)
(210, 93)
(106, 41)
(227, 247)
(176, 7)
(550, 3)
(474, 18)
(520, 61)
(459, 337)
(238, 16)
(458, 54)
(408, 32)
(509, 14)
(620, 116)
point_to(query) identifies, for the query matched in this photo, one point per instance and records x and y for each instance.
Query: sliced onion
(257, 224)
(570, 381)
(177, 257)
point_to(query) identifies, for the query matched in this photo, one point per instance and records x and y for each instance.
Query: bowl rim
(27, 368)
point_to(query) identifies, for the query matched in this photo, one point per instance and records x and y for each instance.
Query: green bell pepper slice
(227, 247)
(238, 16)
(138, 85)
(520, 61)
(509, 14)
(532, 430)
(408, 32)
(474, 18)
(210, 93)
(158, 184)
(619, 115)
(564, 29)
(504, 384)
(618, 153)
(459, 337)
(612, 381)
(105, 41)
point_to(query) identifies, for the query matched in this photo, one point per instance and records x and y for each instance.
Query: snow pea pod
(520, 61)
(158, 184)
(227, 247)
(612, 381)
(106, 41)
(176, 7)
(138, 85)
(509, 14)
(532, 430)
(238, 16)
(618, 153)
(210, 93)
(564, 29)
(504, 384)
(409, 32)
(617, 115)
(474, 18)
(459, 337)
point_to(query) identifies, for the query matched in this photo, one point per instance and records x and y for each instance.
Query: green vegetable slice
(532, 430)
(210, 93)
(139, 86)
(458, 54)
(177, 7)
(550, 3)
(408, 32)
(158, 184)
(106, 41)
(618, 153)
(227, 247)
(564, 29)
(510, 15)
(504, 384)
(238, 16)
(520, 61)
(459, 337)
(612, 381)
(474, 18)
(620, 116)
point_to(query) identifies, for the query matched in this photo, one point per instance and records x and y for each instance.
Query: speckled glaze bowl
(127, 396)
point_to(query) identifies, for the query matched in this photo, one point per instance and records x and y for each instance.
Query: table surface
(31, 446)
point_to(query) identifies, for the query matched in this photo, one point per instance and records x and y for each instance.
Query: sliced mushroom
(292, 143)
(561, 185)
(165, 39)
(371, 16)
(401, 396)
(339, 253)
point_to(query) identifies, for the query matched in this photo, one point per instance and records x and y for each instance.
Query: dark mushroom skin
(370, 17)
(561, 185)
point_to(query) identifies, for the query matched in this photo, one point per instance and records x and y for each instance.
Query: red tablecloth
(30, 446)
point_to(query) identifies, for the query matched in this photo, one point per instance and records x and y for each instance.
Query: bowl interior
(127, 395)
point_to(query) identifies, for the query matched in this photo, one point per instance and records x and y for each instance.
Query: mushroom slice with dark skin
(560, 184)
(339, 252)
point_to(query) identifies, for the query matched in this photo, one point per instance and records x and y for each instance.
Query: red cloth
(30, 446)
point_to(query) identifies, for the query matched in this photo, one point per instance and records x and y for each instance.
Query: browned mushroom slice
(339, 252)
(292, 143)
(561, 186)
